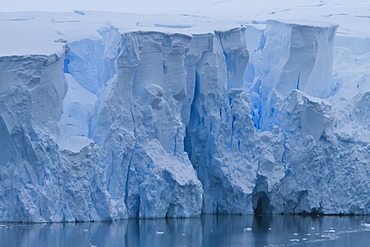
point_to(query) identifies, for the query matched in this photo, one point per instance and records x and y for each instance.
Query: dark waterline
(207, 230)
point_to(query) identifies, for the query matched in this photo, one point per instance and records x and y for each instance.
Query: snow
(178, 109)
(78, 107)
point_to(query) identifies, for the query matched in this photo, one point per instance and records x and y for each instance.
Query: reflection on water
(208, 230)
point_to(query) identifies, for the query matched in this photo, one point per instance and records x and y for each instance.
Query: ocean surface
(207, 230)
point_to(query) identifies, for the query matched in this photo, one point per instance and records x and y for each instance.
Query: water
(208, 230)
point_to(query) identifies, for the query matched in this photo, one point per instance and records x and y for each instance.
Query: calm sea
(207, 230)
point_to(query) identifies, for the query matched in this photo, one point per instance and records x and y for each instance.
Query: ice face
(294, 56)
(309, 65)
(151, 124)
(32, 92)
(220, 135)
(138, 126)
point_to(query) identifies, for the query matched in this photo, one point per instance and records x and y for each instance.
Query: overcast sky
(218, 7)
(105, 5)
(145, 6)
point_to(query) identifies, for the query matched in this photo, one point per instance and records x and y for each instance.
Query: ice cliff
(150, 124)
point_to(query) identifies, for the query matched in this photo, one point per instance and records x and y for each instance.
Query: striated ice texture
(151, 124)
(314, 149)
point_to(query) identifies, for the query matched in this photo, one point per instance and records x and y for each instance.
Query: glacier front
(137, 119)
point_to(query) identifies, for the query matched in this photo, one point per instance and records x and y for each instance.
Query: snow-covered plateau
(107, 116)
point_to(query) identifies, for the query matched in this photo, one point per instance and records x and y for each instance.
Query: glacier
(138, 119)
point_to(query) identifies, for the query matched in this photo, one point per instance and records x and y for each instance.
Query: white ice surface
(170, 16)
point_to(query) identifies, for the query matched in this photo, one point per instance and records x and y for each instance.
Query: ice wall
(309, 140)
(294, 56)
(138, 126)
(32, 91)
(220, 134)
(155, 124)
(297, 56)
